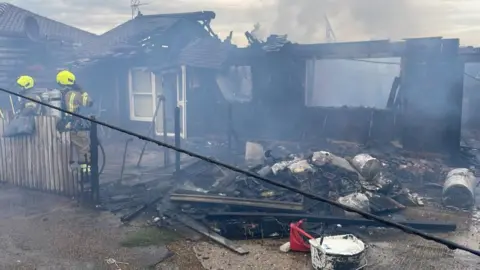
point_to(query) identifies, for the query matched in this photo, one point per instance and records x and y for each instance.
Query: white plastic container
(367, 165)
(459, 188)
(337, 252)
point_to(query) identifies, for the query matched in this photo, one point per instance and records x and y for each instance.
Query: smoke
(303, 20)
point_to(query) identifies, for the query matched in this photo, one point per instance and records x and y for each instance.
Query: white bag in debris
(356, 200)
(20, 126)
(301, 166)
(282, 165)
(254, 153)
(321, 158)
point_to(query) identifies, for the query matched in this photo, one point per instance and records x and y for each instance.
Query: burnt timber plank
(269, 204)
(419, 225)
(200, 228)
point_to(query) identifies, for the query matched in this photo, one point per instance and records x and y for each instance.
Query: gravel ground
(387, 248)
(263, 255)
(183, 257)
(42, 231)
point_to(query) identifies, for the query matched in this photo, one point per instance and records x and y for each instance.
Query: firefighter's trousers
(81, 142)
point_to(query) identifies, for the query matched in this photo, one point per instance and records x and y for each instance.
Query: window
(236, 83)
(141, 94)
(336, 83)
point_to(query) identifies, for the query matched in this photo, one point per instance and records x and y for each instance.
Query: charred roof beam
(195, 16)
(206, 25)
(347, 50)
(365, 49)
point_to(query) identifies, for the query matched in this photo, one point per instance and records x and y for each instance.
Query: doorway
(172, 85)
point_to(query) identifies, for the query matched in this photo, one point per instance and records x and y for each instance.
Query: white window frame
(132, 94)
(309, 80)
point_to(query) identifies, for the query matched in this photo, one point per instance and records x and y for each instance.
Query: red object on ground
(297, 243)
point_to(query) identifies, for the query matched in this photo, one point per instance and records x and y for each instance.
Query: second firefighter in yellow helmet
(74, 98)
(27, 107)
(66, 78)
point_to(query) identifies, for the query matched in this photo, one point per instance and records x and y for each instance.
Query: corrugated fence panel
(39, 161)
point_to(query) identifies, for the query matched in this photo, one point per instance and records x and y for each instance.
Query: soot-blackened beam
(348, 50)
(420, 225)
(367, 49)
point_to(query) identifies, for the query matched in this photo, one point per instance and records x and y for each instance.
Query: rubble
(231, 203)
(369, 183)
(356, 200)
(226, 205)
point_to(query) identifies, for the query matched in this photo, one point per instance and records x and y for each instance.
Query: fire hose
(450, 244)
(104, 157)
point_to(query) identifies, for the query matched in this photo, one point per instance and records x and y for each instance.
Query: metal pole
(94, 161)
(177, 138)
(11, 104)
(229, 128)
(124, 159)
(166, 151)
(150, 129)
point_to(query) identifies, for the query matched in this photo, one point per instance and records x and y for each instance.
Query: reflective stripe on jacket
(72, 101)
(75, 99)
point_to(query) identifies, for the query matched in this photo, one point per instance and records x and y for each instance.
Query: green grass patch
(149, 236)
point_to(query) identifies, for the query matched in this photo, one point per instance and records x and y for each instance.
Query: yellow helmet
(65, 78)
(25, 82)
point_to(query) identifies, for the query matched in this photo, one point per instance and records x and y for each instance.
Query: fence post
(94, 170)
(166, 151)
(177, 139)
(82, 176)
(124, 160)
(229, 128)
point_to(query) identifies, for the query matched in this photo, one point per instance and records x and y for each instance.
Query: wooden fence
(39, 161)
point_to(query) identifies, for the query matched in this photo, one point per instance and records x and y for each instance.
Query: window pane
(158, 85)
(142, 106)
(236, 84)
(141, 81)
(170, 86)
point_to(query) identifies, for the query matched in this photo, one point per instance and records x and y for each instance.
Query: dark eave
(366, 49)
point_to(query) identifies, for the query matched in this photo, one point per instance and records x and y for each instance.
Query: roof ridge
(4, 7)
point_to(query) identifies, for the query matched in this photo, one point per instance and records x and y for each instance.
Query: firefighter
(73, 97)
(27, 107)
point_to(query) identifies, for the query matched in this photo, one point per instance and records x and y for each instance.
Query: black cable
(371, 61)
(471, 77)
(447, 243)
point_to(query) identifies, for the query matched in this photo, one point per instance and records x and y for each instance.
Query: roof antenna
(329, 34)
(135, 6)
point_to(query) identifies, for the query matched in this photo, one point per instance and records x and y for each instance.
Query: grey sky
(301, 19)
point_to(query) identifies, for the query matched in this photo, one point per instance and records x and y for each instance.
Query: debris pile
(221, 204)
(362, 182)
